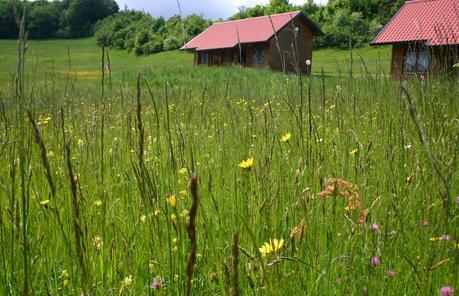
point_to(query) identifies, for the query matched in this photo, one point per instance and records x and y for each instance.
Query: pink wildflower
(445, 237)
(375, 261)
(446, 291)
(157, 283)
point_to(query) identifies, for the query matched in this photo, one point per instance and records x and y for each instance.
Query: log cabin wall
(441, 59)
(286, 38)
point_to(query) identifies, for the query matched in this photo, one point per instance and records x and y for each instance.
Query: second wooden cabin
(280, 42)
(425, 38)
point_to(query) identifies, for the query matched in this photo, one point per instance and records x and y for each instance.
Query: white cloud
(213, 9)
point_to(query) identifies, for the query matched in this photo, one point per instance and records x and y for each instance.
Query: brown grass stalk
(48, 174)
(79, 241)
(235, 263)
(191, 228)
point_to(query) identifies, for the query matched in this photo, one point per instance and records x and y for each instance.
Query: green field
(352, 190)
(85, 56)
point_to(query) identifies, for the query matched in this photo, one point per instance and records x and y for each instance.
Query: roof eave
(427, 42)
(315, 28)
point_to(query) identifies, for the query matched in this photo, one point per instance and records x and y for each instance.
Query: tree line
(140, 33)
(345, 22)
(54, 19)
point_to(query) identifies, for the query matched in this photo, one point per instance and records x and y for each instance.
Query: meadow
(320, 185)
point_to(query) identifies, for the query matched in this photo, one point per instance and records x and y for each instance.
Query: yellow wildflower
(285, 138)
(273, 246)
(184, 214)
(246, 164)
(354, 152)
(173, 218)
(183, 171)
(44, 202)
(172, 201)
(64, 276)
(156, 213)
(183, 193)
(125, 283)
(143, 218)
(97, 203)
(98, 242)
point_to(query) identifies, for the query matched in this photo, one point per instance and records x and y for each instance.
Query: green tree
(8, 27)
(81, 15)
(44, 20)
(278, 6)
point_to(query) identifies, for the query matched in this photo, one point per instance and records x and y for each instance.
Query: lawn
(321, 185)
(85, 56)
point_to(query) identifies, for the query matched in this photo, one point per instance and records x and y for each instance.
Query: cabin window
(258, 56)
(296, 31)
(416, 61)
(203, 58)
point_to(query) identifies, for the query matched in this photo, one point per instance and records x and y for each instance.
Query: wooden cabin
(280, 42)
(424, 35)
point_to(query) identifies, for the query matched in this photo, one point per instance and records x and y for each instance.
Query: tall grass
(104, 198)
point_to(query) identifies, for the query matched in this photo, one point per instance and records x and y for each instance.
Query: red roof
(434, 21)
(251, 30)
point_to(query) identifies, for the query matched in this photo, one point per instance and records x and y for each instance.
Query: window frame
(258, 56)
(421, 60)
(203, 56)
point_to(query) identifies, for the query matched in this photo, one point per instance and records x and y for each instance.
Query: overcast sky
(212, 9)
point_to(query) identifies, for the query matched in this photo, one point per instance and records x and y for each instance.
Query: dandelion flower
(246, 164)
(273, 246)
(44, 202)
(285, 138)
(172, 201)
